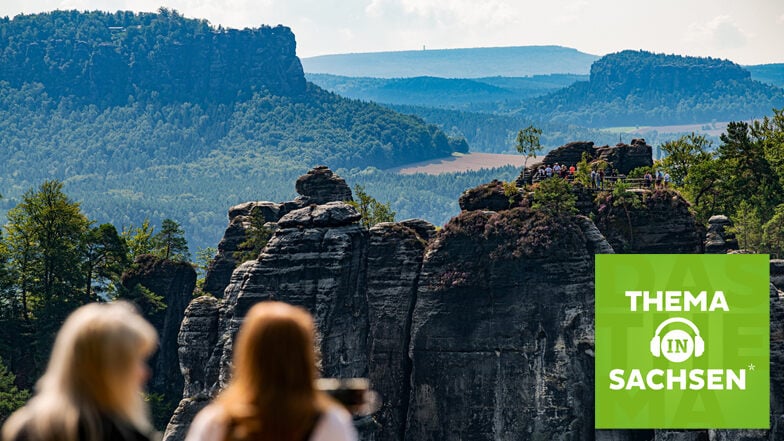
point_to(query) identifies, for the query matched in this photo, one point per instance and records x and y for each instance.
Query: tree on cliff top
(256, 237)
(554, 196)
(170, 243)
(527, 143)
(373, 212)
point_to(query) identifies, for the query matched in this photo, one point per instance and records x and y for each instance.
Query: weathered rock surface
(627, 157)
(482, 330)
(331, 214)
(320, 186)
(570, 154)
(219, 272)
(174, 282)
(490, 196)
(777, 273)
(198, 335)
(661, 224)
(502, 332)
(394, 261)
(718, 239)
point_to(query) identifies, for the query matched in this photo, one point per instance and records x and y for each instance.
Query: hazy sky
(745, 31)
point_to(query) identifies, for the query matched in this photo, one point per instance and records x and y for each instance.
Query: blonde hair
(272, 394)
(90, 374)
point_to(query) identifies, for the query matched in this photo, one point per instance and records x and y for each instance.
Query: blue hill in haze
(515, 61)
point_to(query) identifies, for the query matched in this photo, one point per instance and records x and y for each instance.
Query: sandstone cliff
(482, 330)
(661, 223)
(173, 282)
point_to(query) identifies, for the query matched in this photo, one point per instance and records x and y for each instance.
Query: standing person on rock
(92, 387)
(272, 395)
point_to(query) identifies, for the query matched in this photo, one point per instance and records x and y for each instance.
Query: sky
(747, 32)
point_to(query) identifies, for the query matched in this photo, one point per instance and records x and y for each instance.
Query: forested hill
(643, 88)
(105, 58)
(155, 115)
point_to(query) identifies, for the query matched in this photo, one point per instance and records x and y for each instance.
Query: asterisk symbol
(752, 367)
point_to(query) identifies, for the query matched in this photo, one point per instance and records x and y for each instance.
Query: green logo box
(682, 341)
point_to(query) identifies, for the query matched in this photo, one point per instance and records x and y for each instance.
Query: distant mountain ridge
(474, 94)
(768, 73)
(513, 61)
(644, 88)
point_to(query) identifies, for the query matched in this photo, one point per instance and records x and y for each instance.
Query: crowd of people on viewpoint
(598, 176)
(92, 389)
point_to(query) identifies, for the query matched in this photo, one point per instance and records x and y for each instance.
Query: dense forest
(642, 88)
(157, 116)
(495, 132)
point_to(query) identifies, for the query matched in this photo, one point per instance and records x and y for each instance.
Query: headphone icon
(699, 343)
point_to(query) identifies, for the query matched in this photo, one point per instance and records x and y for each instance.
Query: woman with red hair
(272, 394)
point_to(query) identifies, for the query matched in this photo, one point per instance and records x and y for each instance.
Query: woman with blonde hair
(272, 395)
(92, 387)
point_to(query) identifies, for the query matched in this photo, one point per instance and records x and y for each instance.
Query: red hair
(272, 395)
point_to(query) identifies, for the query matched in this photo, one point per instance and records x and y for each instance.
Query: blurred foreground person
(92, 387)
(272, 395)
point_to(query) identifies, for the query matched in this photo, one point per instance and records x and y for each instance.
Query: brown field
(463, 162)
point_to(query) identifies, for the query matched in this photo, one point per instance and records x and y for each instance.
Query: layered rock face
(627, 157)
(570, 153)
(718, 239)
(318, 186)
(219, 271)
(358, 283)
(661, 223)
(502, 333)
(482, 330)
(174, 282)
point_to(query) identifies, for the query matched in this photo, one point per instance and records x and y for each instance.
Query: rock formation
(492, 196)
(718, 239)
(174, 283)
(318, 186)
(622, 157)
(661, 224)
(219, 271)
(482, 330)
(627, 157)
(570, 153)
(502, 331)
(777, 273)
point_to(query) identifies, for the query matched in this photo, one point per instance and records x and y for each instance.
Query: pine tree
(373, 212)
(170, 243)
(11, 397)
